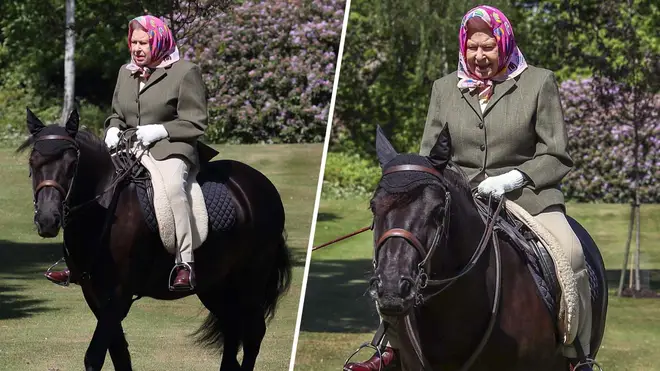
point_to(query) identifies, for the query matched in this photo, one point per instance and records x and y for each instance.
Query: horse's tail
(280, 278)
(210, 333)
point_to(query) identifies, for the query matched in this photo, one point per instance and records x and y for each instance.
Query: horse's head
(411, 210)
(53, 164)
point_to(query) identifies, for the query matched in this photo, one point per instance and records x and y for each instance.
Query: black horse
(241, 273)
(436, 280)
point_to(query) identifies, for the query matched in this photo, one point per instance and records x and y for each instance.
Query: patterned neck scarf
(511, 61)
(161, 43)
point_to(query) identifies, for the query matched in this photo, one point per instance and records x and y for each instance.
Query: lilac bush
(601, 143)
(269, 68)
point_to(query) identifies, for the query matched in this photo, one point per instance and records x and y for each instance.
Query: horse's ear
(441, 151)
(72, 123)
(384, 149)
(34, 125)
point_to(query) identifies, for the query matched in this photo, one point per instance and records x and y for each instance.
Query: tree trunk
(627, 253)
(69, 62)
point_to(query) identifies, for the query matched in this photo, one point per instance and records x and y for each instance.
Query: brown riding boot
(374, 363)
(58, 277)
(184, 280)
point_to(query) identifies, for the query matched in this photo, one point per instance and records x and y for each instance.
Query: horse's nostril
(376, 285)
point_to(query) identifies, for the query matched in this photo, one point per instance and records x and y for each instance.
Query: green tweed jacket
(522, 128)
(174, 96)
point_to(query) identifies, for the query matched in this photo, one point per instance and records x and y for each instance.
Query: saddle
(212, 204)
(546, 262)
(219, 204)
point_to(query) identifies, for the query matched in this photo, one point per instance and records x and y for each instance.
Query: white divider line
(328, 130)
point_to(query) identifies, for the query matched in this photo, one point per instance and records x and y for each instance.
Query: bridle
(123, 165)
(441, 233)
(65, 193)
(424, 284)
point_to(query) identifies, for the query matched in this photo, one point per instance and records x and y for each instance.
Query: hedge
(269, 68)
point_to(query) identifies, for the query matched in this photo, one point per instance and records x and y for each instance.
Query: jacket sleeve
(434, 123)
(192, 113)
(551, 161)
(116, 119)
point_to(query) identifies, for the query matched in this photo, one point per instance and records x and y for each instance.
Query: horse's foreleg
(121, 357)
(119, 353)
(108, 334)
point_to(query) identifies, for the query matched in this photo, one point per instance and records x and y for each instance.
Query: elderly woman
(165, 99)
(508, 135)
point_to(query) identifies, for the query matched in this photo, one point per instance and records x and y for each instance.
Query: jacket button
(481, 125)
(482, 147)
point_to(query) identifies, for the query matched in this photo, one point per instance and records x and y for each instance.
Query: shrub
(269, 68)
(601, 142)
(349, 175)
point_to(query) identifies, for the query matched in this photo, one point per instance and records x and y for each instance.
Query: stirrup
(376, 344)
(191, 281)
(589, 362)
(366, 345)
(68, 279)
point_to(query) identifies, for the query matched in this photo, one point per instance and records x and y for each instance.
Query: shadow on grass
(336, 298)
(327, 217)
(13, 305)
(22, 262)
(299, 257)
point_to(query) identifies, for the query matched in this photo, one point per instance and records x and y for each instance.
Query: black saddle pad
(219, 202)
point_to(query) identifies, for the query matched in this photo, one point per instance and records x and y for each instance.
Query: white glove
(148, 134)
(501, 184)
(112, 137)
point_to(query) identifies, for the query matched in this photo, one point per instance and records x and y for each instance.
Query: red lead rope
(343, 237)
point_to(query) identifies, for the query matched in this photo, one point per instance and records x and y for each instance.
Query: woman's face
(481, 53)
(140, 47)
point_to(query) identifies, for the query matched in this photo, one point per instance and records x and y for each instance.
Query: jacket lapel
(500, 90)
(158, 75)
(473, 101)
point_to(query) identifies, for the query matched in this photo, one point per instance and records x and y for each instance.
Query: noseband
(52, 183)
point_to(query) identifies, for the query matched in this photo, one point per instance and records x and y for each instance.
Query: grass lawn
(46, 327)
(338, 315)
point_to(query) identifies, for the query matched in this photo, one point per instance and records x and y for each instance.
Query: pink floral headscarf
(511, 61)
(161, 42)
